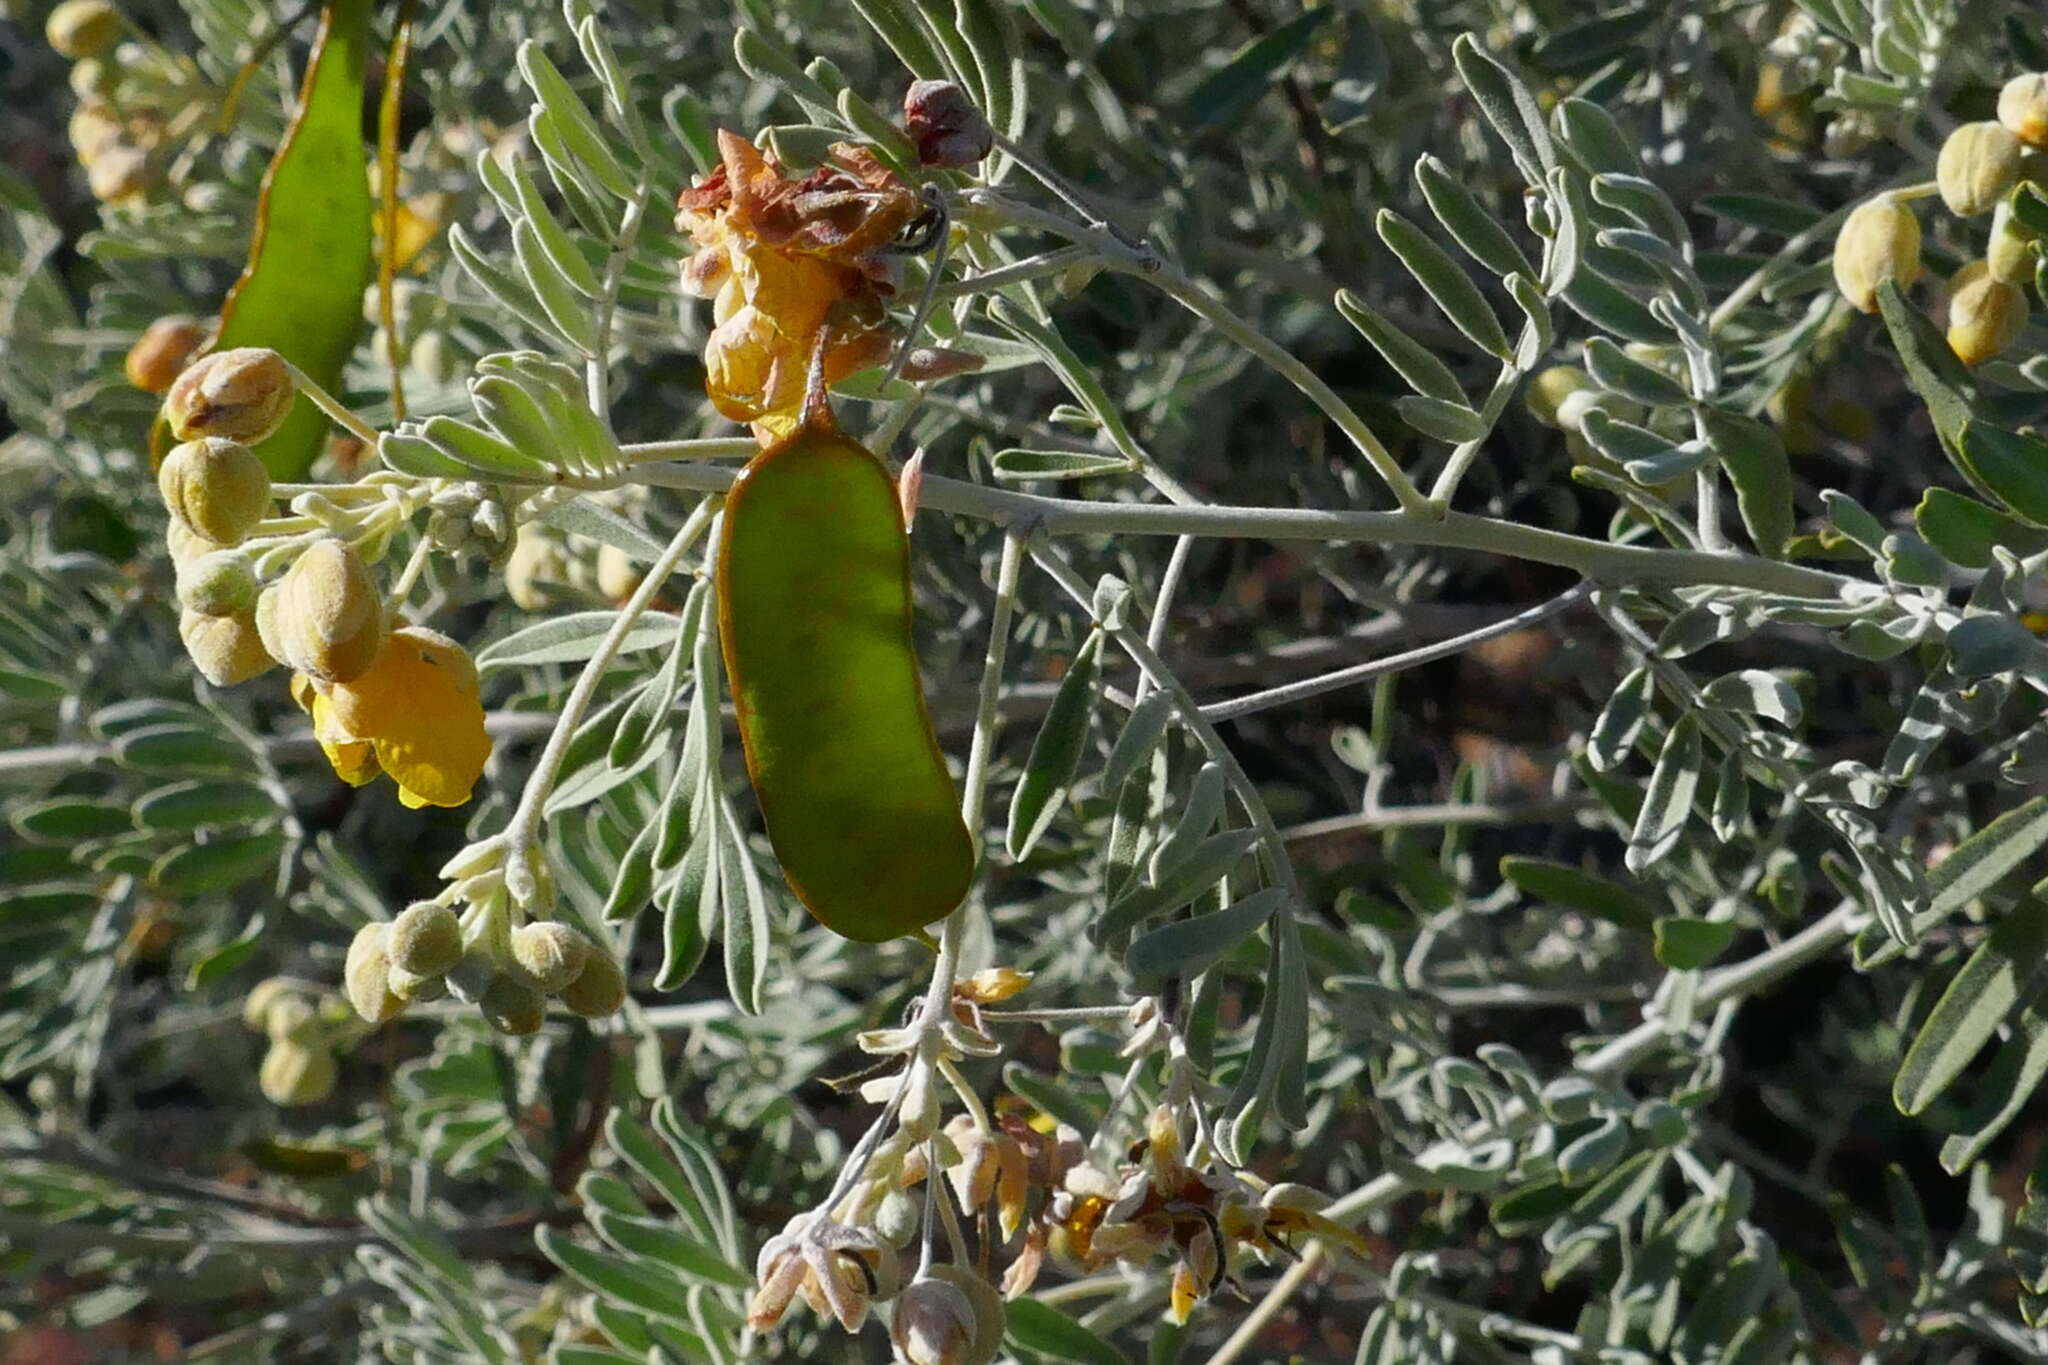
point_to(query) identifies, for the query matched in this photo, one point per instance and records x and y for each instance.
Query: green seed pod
(1985, 314)
(513, 1007)
(79, 29)
(813, 583)
(548, 955)
(329, 616)
(599, 989)
(218, 583)
(2023, 108)
(1977, 165)
(226, 649)
(242, 394)
(366, 975)
(1548, 390)
(292, 1074)
(217, 487)
(426, 939)
(1879, 241)
(257, 1004)
(161, 353)
(2010, 255)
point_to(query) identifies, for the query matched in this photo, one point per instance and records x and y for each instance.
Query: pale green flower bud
(2011, 254)
(548, 955)
(933, 1324)
(292, 1074)
(265, 994)
(1879, 241)
(242, 394)
(1985, 314)
(2023, 108)
(328, 617)
(218, 583)
(226, 649)
(217, 487)
(599, 989)
(426, 939)
(1977, 165)
(513, 1007)
(412, 986)
(78, 29)
(366, 975)
(292, 1019)
(1548, 390)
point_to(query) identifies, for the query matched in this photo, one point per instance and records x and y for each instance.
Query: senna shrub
(1351, 684)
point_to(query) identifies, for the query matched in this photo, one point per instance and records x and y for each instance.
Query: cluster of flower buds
(132, 97)
(306, 1030)
(218, 492)
(384, 697)
(491, 956)
(470, 518)
(548, 567)
(1982, 166)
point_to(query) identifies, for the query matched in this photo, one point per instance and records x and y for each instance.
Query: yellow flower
(415, 715)
(791, 264)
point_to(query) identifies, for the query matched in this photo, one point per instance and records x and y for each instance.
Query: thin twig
(1289, 693)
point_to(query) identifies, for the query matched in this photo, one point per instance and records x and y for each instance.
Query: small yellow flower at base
(415, 715)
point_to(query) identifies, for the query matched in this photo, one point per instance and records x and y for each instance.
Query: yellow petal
(419, 708)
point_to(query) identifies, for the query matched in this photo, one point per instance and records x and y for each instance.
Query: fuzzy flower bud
(1985, 314)
(933, 1324)
(262, 998)
(78, 29)
(513, 1007)
(161, 353)
(366, 975)
(217, 487)
(948, 130)
(226, 649)
(292, 1019)
(118, 174)
(1879, 241)
(2010, 255)
(2023, 108)
(217, 583)
(426, 939)
(329, 615)
(1977, 165)
(548, 955)
(414, 986)
(1548, 390)
(293, 1074)
(599, 989)
(242, 394)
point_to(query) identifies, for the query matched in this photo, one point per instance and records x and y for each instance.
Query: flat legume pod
(814, 621)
